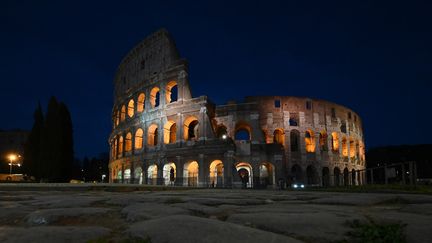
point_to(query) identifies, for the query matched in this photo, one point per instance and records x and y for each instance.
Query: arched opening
(115, 148)
(131, 108)
(279, 136)
(242, 131)
(170, 132)
(244, 171)
(353, 177)
(127, 176)
(357, 150)
(191, 128)
(294, 139)
(352, 148)
(119, 175)
(221, 132)
(346, 177)
(117, 118)
(216, 173)
(190, 173)
(128, 144)
(139, 138)
(325, 176)
(335, 142)
(344, 147)
(323, 141)
(141, 102)
(266, 174)
(123, 113)
(336, 175)
(152, 138)
(155, 97)
(169, 173)
(171, 92)
(296, 174)
(138, 177)
(120, 150)
(310, 141)
(152, 174)
(312, 175)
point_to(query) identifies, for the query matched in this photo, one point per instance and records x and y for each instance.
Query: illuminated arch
(141, 102)
(120, 145)
(310, 141)
(335, 142)
(155, 97)
(131, 107)
(279, 136)
(267, 174)
(170, 131)
(128, 142)
(169, 173)
(139, 138)
(123, 113)
(352, 148)
(171, 92)
(152, 174)
(245, 173)
(344, 147)
(138, 175)
(191, 125)
(216, 173)
(323, 141)
(117, 118)
(152, 138)
(190, 173)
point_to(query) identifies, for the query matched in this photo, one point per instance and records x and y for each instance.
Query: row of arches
(137, 106)
(328, 177)
(123, 143)
(190, 175)
(325, 142)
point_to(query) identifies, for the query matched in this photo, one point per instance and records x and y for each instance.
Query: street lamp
(12, 158)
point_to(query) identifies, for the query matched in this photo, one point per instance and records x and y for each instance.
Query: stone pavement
(204, 215)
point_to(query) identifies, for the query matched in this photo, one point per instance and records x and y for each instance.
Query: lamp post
(12, 158)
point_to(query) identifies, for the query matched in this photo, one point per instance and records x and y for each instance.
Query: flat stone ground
(203, 215)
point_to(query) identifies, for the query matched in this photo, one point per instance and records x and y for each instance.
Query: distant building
(163, 135)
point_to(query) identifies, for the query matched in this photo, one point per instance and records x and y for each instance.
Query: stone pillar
(228, 168)
(202, 177)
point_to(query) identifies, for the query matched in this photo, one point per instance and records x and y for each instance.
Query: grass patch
(376, 233)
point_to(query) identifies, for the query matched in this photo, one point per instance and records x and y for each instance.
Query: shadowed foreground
(81, 215)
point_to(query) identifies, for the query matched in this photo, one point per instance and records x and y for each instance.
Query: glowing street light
(12, 158)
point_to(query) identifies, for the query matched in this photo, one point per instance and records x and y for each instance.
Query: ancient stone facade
(162, 135)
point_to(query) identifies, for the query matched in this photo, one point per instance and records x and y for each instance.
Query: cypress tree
(66, 158)
(33, 145)
(50, 143)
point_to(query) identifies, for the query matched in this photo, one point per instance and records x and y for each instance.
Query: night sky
(371, 56)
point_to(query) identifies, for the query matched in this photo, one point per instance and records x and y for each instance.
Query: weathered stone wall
(196, 142)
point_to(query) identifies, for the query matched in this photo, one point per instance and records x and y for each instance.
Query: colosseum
(162, 135)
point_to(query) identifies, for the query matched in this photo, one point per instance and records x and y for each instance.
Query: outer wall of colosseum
(162, 135)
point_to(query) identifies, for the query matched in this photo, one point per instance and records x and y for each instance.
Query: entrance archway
(216, 173)
(169, 173)
(152, 174)
(190, 173)
(336, 175)
(266, 174)
(297, 174)
(325, 176)
(138, 177)
(245, 173)
(312, 175)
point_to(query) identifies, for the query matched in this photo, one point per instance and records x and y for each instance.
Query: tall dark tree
(66, 159)
(33, 145)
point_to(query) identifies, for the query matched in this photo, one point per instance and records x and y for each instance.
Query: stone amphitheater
(162, 135)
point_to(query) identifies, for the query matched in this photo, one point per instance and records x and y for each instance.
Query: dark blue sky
(372, 56)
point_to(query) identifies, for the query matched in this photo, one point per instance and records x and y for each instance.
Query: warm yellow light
(12, 157)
